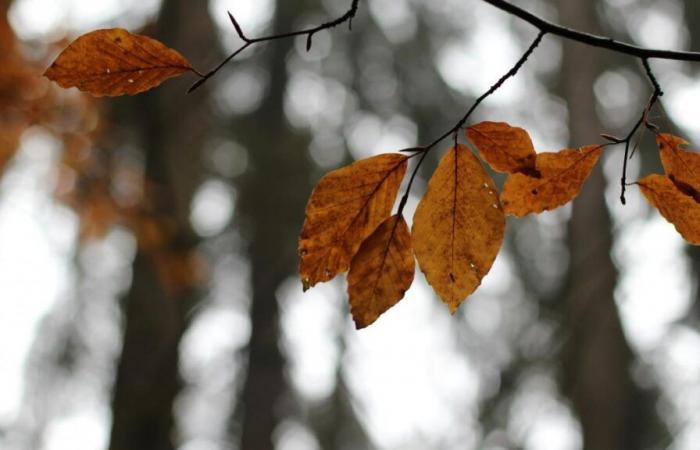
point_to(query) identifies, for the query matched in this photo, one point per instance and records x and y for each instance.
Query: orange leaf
(381, 271)
(561, 176)
(458, 226)
(681, 166)
(115, 62)
(346, 206)
(504, 148)
(677, 207)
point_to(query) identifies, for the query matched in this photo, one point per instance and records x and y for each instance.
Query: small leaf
(346, 206)
(115, 62)
(677, 207)
(505, 148)
(562, 175)
(381, 271)
(681, 166)
(458, 227)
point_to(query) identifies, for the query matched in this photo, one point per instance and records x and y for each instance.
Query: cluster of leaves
(458, 227)
(459, 224)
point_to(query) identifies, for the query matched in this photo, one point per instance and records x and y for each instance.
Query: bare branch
(423, 151)
(592, 39)
(642, 120)
(511, 73)
(309, 32)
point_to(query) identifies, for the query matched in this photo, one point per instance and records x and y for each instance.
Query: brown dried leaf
(505, 148)
(458, 227)
(677, 207)
(346, 206)
(561, 176)
(115, 62)
(681, 166)
(381, 271)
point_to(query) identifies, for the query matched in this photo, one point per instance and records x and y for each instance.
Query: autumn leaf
(562, 175)
(346, 206)
(458, 226)
(115, 62)
(681, 166)
(381, 271)
(505, 148)
(677, 207)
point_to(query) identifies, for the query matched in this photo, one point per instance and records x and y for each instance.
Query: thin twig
(248, 42)
(642, 120)
(543, 25)
(404, 199)
(511, 73)
(423, 151)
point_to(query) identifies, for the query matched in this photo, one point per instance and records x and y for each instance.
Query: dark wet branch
(592, 39)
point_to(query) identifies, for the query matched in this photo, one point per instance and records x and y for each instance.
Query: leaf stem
(511, 73)
(644, 119)
(423, 151)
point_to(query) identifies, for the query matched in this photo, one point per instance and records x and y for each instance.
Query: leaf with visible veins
(114, 62)
(346, 206)
(681, 166)
(458, 226)
(505, 148)
(562, 175)
(381, 272)
(677, 207)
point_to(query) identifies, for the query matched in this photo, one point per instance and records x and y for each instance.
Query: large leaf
(561, 177)
(681, 166)
(458, 227)
(505, 148)
(115, 62)
(381, 272)
(676, 206)
(346, 206)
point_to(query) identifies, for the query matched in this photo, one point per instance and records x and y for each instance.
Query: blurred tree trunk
(273, 197)
(272, 201)
(334, 421)
(171, 128)
(597, 358)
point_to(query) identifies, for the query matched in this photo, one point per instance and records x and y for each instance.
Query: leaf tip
(453, 307)
(305, 284)
(359, 322)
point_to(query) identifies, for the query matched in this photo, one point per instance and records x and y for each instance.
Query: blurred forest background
(148, 244)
